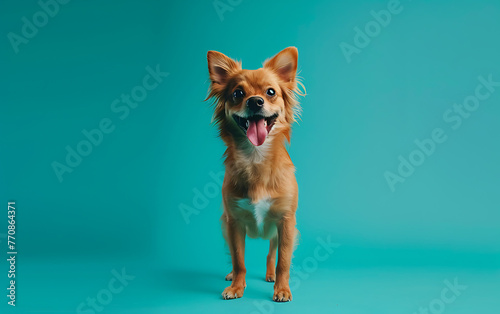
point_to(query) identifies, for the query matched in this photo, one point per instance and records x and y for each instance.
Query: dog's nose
(255, 103)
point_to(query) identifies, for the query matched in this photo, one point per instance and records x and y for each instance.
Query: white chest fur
(257, 224)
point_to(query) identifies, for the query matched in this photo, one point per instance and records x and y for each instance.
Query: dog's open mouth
(256, 127)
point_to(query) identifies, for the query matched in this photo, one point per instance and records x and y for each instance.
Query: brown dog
(254, 110)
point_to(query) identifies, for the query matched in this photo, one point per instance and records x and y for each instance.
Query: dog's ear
(220, 67)
(284, 64)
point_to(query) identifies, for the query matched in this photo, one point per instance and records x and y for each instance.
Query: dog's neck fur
(257, 170)
(255, 154)
(241, 148)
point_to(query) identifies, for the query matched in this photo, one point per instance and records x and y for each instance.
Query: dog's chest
(255, 216)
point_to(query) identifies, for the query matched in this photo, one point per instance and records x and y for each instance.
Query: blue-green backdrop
(380, 75)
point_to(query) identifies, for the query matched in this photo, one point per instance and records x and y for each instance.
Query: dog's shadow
(206, 282)
(197, 281)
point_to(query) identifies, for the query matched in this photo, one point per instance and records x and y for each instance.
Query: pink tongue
(257, 132)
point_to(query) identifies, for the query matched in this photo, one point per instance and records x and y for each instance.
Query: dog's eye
(271, 92)
(238, 94)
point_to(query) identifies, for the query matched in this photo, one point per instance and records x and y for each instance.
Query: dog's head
(256, 104)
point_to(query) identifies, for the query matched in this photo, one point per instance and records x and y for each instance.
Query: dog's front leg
(286, 237)
(236, 233)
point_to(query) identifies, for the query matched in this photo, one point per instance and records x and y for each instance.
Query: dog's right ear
(220, 68)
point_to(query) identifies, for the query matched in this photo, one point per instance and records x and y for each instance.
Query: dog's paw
(229, 277)
(270, 277)
(232, 292)
(282, 294)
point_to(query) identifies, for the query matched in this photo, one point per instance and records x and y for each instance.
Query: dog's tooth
(265, 122)
(248, 123)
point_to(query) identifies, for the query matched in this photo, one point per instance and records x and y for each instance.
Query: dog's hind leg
(271, 260)
(229, 277)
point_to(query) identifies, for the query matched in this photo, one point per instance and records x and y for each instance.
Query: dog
(254, 111)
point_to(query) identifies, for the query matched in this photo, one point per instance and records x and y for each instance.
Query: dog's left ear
(284, 64)
(220, 67)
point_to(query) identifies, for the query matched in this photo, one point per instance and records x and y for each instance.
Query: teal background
(120, 206)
